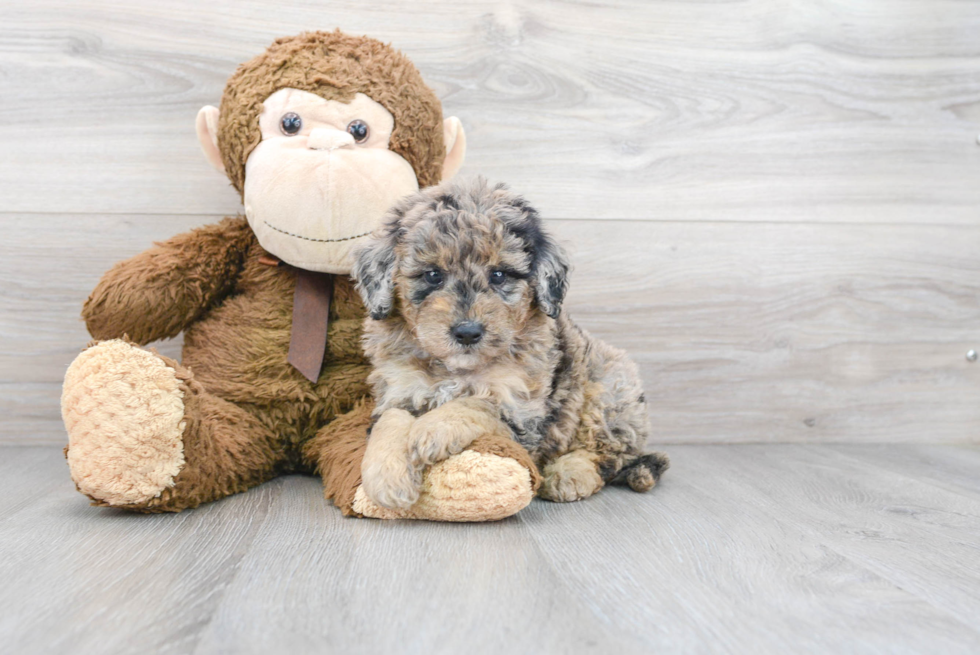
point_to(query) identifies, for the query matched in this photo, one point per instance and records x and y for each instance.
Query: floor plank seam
(254, 530)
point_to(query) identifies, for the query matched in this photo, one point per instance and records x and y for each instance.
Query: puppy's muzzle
(467, 333)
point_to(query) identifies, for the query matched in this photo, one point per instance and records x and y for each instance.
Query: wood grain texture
(953, 469)
(769, 567)
(377, 587)
(763, 549)
(802, 264)
(922, 538)
(738, 111)
(112, 578)
(789, 333)
(743, 333)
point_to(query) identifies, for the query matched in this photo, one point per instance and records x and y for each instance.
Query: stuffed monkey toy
(320, 135)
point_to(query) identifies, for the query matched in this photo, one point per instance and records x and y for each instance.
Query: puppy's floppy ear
(549, 261)
(549, 274)
(374, 270)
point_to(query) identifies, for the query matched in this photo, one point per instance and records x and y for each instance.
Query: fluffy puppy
(467, 337)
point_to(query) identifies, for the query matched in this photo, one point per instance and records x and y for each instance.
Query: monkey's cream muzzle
(310, 196)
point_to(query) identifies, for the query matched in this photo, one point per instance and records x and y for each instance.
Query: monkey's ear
(455, 139)
(374, 271)
(207, 135)
(550, 276)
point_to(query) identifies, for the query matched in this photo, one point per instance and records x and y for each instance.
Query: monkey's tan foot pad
(124, 411)
(468, 487)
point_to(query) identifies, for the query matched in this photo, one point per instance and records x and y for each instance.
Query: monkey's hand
(450, 428)
(388, 477)
(161, 291)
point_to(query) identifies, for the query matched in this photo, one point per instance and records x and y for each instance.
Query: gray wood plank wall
(772, 204)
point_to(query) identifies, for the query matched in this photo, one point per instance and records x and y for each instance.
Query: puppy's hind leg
(580, 473)
(613, 430)
(573, 476)
(618, 441)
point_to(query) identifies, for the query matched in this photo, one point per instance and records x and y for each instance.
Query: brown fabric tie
(311, 316)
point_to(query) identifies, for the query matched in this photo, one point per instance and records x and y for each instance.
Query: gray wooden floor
(744, 548)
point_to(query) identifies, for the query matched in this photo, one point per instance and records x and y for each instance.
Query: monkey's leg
(492, 479)
(143, 435)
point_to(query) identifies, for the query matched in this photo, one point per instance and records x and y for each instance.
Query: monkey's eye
(359, 130)
(497, 277)
(433, 277)
(290, 124)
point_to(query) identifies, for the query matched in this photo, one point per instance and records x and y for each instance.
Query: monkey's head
(320, 135)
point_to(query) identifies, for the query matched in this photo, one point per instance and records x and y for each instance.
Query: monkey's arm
(161, 291)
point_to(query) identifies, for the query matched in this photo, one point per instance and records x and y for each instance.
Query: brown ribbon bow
(311, 317)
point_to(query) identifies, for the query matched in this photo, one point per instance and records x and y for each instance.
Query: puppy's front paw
(388, 477)
(435, 437)
(393, 484)
(572, 476)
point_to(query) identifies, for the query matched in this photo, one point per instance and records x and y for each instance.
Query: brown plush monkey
(320, 134)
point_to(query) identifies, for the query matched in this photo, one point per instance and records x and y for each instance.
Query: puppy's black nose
(467, 333)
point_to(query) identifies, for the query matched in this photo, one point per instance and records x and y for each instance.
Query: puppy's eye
(433, 277)
(497, 277)
(290, 124)
(359, 130)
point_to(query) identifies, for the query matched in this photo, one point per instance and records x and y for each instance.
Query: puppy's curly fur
(467, 337)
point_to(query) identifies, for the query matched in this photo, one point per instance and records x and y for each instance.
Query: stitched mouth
(300, 236)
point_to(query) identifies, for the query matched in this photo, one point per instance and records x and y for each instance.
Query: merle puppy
(467, 337)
